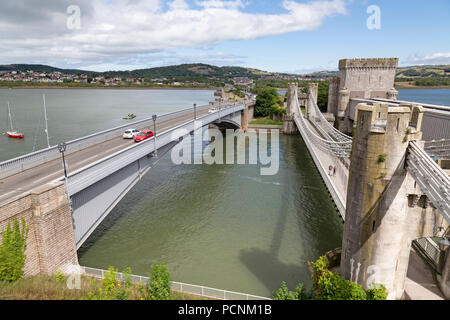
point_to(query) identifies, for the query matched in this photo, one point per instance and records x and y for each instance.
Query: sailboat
(13, 133)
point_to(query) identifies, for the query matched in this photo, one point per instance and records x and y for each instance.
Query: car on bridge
(130, 133)
(143, 135)
(212, 110)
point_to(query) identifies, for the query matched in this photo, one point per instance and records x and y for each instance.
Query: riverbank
(2, 86)
(410, 86)
(45, 287)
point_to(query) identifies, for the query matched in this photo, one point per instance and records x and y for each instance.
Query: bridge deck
(339, 181)
(25, 181)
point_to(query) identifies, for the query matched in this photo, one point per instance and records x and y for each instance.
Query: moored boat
(15, 134)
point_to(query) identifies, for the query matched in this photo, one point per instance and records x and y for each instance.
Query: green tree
(266, 98)
(159, 286)
(377, 292)
(12, 251)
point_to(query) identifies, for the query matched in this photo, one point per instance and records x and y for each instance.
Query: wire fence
(200, 291)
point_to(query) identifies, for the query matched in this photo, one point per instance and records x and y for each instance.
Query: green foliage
(12, 251)
(276, 110)
(112, 288)
(159, 286)
(266, 99)
(60, 277)
(432, 82)
(331, 286)
(377, 292)
(283, 293)
(382, 158)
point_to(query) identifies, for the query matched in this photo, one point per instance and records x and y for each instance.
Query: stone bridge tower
(360, 78)
(383, 213)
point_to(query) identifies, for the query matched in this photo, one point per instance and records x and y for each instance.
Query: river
(221, 226)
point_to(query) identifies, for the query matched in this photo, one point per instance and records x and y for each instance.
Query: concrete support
(376, 240)
(333, 93)
(313, 88)
(244, 119)
(343, 102)
(289, 126)
(444, 279)
(51, 240)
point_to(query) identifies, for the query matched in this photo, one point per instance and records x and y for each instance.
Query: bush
(265, 100)
(331, 286)
(12, 251)
(283, 293)
(377, 292)
(60, 277)
(159, 286)
(113, 289)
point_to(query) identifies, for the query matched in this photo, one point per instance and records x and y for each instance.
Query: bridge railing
(432, 180)
(430, 251)
(201, 291)
(88, 175)
(31, 160)
(438, 148)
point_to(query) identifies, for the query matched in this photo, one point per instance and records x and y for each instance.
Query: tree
(159, 286)
(266, 98)
(12, 251)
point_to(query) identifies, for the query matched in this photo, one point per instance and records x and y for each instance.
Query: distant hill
(429, 71)
(197, 70)
(39, 68)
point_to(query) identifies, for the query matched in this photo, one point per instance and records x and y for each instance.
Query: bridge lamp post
(154, 135)
(195, 111)
(62, 148)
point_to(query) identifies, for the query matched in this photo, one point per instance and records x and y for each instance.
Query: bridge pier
(289, 126)
(51, 240)
(380, 223)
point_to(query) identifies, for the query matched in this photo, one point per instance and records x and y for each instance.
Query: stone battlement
(368, 63)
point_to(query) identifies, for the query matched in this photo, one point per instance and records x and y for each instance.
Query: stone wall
(51, 240)
(382, 218)
(360, 78)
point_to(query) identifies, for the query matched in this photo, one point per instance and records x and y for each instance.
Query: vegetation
(267, 98)
(12, 251)
(382, 158)
(266, 121)
(45, 287)
(329, 286)
(159, 286)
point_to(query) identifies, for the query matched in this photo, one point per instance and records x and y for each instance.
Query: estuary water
(74, 113)
(221, 226)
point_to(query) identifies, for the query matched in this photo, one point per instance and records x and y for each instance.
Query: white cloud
(128, 29)
(436, 58)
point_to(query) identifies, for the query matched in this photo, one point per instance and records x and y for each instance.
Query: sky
(292, 36)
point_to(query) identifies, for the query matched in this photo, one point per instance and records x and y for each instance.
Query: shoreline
(400, 87)
(108, 88)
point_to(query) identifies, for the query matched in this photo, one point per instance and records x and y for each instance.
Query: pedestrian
(334, 171)
(330, 168)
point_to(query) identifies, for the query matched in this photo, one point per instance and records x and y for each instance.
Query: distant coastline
(109, 87)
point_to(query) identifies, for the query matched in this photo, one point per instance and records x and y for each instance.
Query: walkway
(52, 170)
(420, 284)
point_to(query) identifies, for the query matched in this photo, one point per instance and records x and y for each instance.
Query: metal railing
(432, 180)
(86, 176)
(438, 148)
(430, 251)
(330, 147)
(31, 160)
(201, 291)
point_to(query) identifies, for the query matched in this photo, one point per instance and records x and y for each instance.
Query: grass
(411, 85)
(266, 121)
(43, 287)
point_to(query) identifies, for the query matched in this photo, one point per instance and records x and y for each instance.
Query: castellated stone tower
(360, 78)
(289, 126)
(381, 220)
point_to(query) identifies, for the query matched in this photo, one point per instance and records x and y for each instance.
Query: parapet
(368, 63)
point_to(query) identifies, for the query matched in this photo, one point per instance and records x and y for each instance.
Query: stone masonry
(51, 240)
(382, 217)
(360, 78)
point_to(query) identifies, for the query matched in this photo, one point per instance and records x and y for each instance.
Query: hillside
(197, 70)
(40, 68)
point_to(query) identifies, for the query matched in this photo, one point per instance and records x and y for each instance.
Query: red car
(143, 135)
